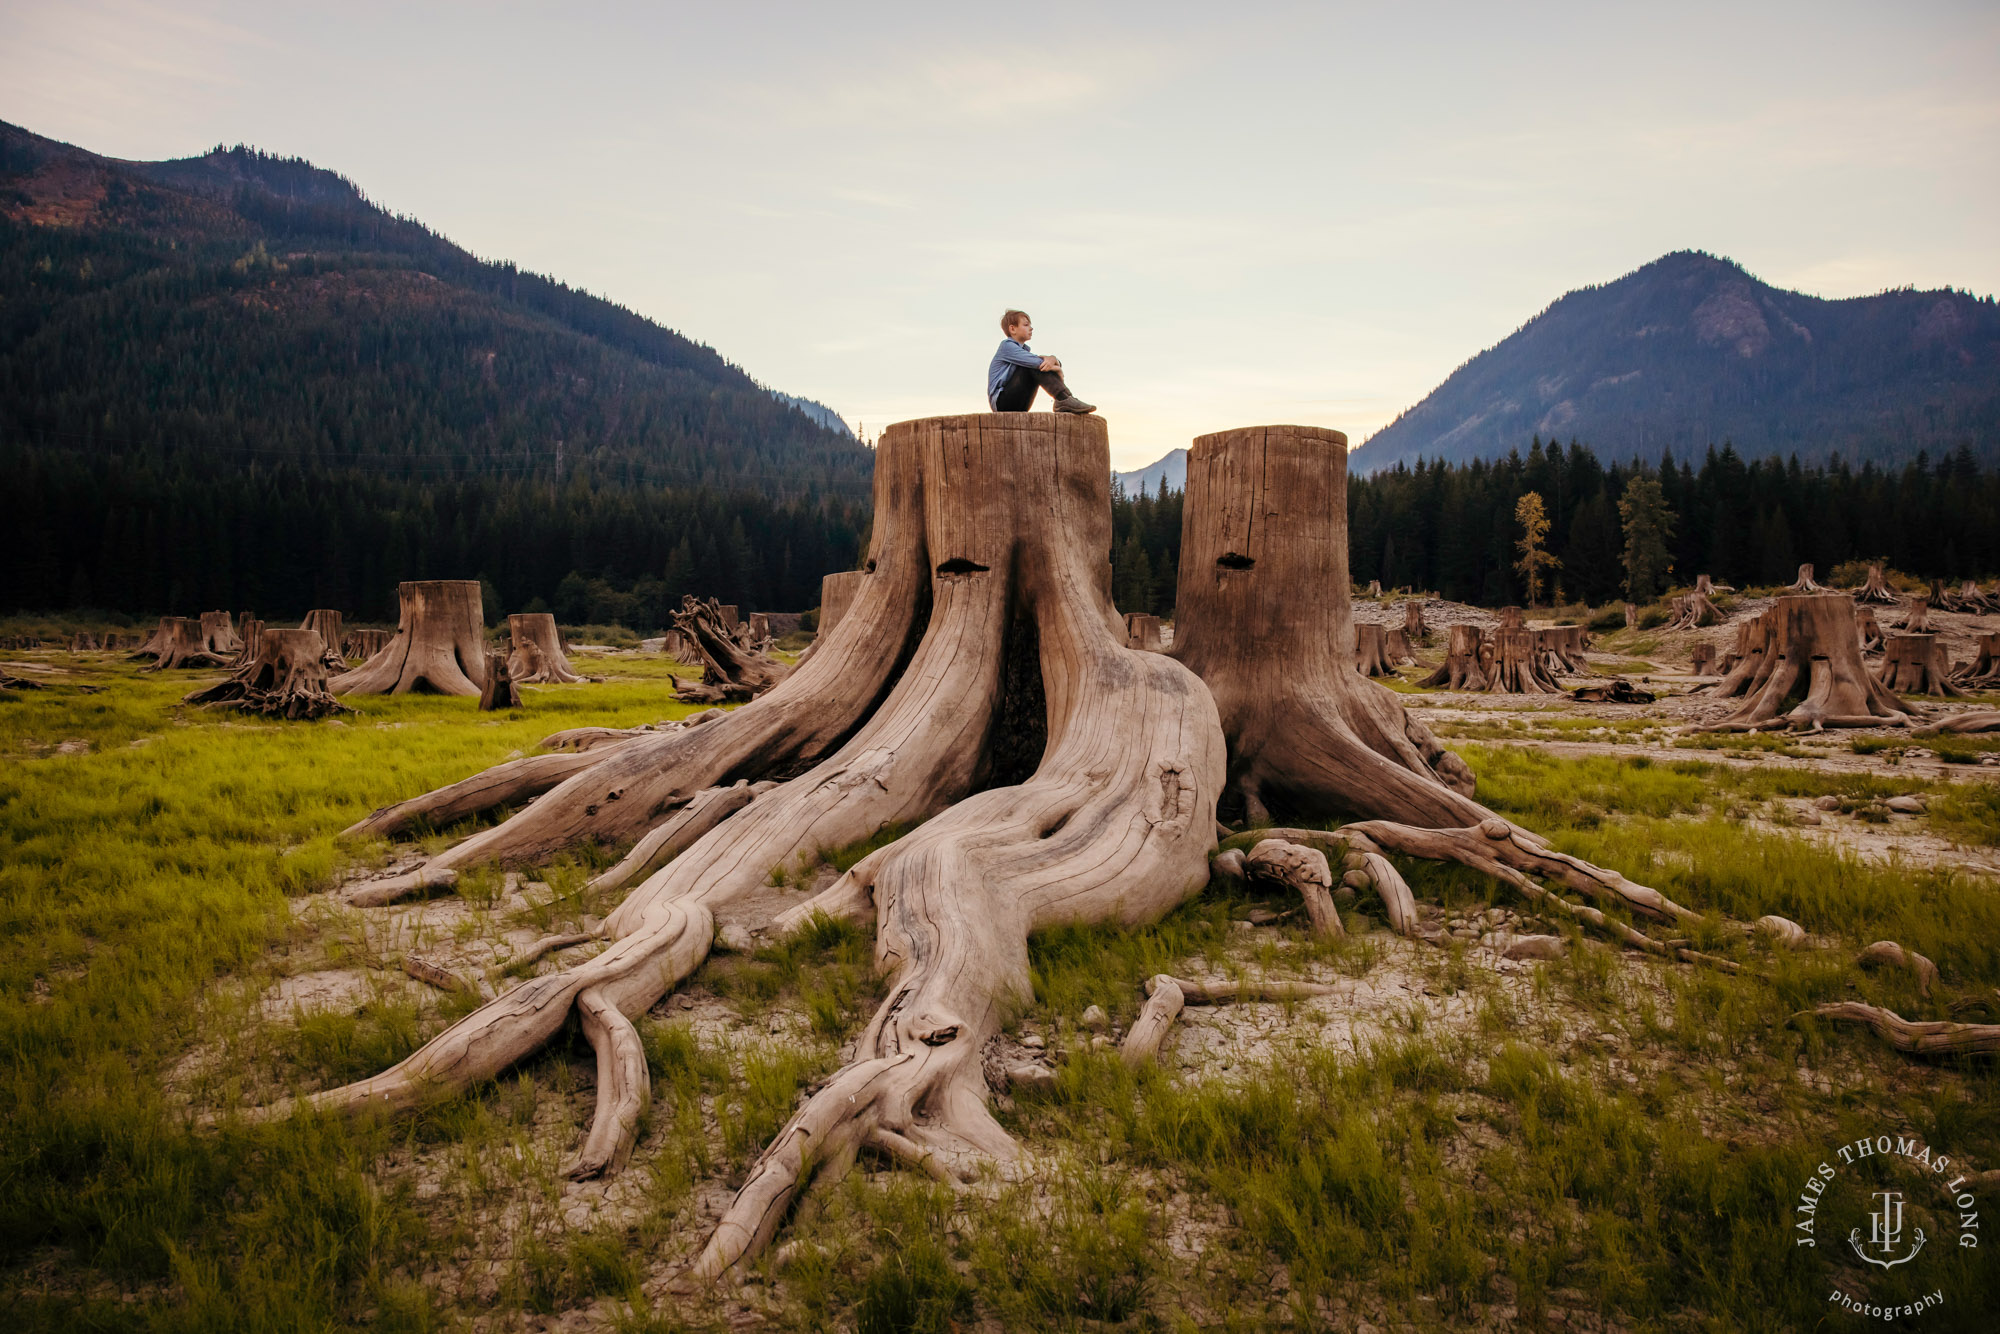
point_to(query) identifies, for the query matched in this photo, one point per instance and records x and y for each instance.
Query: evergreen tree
(1649, 525)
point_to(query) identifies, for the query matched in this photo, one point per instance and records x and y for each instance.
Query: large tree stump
(1983, 672)
(537, 657)
(1876, 589)
(218, 635)
(1917, 620)
(440, 644)
(1915, 665)
(326, 623)
(499, 690)
(1414, 628)
(1264, 618)
(1806, 646)
(185, 646)
(285, 678)
(1562, 647)
(1804, 583)
(731, 673)
(1461, 669)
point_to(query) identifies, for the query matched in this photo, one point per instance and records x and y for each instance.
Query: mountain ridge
(1691, 350)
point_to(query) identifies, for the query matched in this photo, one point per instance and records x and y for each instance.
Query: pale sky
(1218, 214)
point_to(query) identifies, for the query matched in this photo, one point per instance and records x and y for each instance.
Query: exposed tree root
(1919, 1038)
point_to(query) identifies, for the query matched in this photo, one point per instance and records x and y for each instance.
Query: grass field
(1598, 1142)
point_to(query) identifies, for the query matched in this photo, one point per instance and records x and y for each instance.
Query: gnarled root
(1167, 996)
(1305, 872)
(1889, 953)
(1919, 1038)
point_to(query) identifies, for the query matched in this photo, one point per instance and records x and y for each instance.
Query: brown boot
(1074, 404)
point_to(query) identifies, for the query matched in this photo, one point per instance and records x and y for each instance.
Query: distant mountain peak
(1692, 350)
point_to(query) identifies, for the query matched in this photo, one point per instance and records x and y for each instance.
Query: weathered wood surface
(439, 647)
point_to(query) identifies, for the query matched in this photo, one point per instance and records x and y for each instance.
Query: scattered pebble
(1095, 1019)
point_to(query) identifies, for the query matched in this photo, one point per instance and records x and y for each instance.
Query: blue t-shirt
(1010, 355)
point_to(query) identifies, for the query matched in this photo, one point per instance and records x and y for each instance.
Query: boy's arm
(1014, 354)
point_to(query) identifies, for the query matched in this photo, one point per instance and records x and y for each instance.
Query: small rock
(1244, 926)
(1828, 803)
(1095, 1019)
(1535, 947)
(735, 939)
(1033, 1042)
(1355, 880)
(1905, 805)
(1464, 933)
(1024, 1077)
(1100, 1042)
(684, 1002)
(73, 746)
(1807, 817)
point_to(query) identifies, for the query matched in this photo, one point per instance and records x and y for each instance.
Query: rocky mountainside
(1691, 351)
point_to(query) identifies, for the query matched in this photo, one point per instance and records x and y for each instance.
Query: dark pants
(1018, 394)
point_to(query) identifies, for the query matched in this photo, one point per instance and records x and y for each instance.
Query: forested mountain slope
(232, 380)
(1691, 351)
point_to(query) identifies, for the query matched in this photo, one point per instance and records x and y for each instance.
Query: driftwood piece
(1804, 583)
(285, 679)
(1806, 646)
(184, 647)
(440, 644)
(1889, 954)
(499, 690)
(1876, 589)
(326, 623)
(1919, 1038)
(1164, 1002)
(1619, 691)
(1461, 669)
(537, 656)
(1263, 522)
(1983, 720)
(1304, 871)
(1915, 665)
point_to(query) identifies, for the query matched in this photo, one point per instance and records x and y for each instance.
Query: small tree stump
(1396, 647)
(1691, 611)
(365, 644)
(185, 647)
(440, 644)
(1374, 588)
(1708, 588)
(499, 692)
(1983, 671)
(251, 631)
(1518, 668)
(836, 594)
(1915, 665)
(218, 635)
(1804, 583)
(730, 672)
(1414, 628)
(1461, 668)
(1805, 646)
(163, 634)
(326, 623)
(1701, 659)
(1867, 630)
(1143, 632)
(1876, 588)
(537, 656)
(286, 678)
(1371, 658)
(1631, 616)
(1917, 620)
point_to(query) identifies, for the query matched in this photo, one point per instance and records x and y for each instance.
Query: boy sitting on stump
(1016, 373)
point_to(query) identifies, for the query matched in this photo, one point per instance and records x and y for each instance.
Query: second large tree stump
(537, 657)
(1462, 668)
(1876, 589)
(179, 643)
(440, 644)
(1264, 618)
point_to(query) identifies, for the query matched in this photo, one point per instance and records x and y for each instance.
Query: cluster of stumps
(973, 682)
